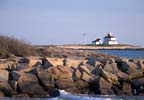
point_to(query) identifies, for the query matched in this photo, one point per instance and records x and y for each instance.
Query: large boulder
(82, 86)
(123, 76)
(97, 71)
(105, 87)
(110, 77)
(73, 63)
(138, 82)
(15, 75)
(28, 84)
(140, 63)
(31, 61)
(4, 75)
(6, 89)
(127, 66)
(136, 74)
(94, 62)
(112, 68)
(46, 78)
(67, 85)
(13, 84)
(82, 73)
(127, 88)
(61, 72)
(48, 62)
(7, 64)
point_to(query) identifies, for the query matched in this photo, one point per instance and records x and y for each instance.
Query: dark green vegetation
(10, 46)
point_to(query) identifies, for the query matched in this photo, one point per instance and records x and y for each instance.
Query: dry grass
(54, 51)
(12, 46)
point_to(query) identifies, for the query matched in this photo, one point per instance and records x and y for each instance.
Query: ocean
(123, 53)
(68, 96)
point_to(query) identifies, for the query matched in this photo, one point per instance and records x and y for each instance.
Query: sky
(60, 22)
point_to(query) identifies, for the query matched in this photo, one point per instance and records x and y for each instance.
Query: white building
(110, 39)
(97, 42)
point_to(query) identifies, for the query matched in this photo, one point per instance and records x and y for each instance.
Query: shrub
(12, 46)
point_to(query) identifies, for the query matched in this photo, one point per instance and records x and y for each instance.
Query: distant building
(107, 40)
(110, 39)
(97, 42)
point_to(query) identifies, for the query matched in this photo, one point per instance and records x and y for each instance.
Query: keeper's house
(107, 40)
(110, 39)
(97, 42)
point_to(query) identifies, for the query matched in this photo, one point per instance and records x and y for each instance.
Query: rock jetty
(42, 77)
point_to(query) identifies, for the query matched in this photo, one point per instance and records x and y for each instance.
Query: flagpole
(84, 35)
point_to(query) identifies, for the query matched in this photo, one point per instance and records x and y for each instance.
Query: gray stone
(15, 75)
(46, 78)
(28, 84)
(138, 82)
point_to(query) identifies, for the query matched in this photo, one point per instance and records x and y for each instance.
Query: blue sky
(64, 21)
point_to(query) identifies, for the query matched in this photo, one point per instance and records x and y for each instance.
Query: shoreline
(91, 47)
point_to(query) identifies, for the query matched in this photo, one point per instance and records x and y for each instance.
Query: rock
(108, 67)
(140, 63)
(127, 88)
(15, 75)
(117, 90)
(76, 74)
(105, 87)
(127, 67)
(56, 61)
(138, 82)
(3, 65)
(6, 89)
(123, 76)
(31, 61)
(112, 68)
(53, 92)
(66, 84)
(7, 64)
(4, 75)
(22, 67)
(1, 94)
(73, 63)
(13, 84)
(46, 78)
(84, 69)
(82, 73)
(46, 63)
(99, 61)
(82, 86)
(28, 84)
(110, 77)
(73, 90)
(136, 74)
(61, 72)
(97, 71)
(21, 96)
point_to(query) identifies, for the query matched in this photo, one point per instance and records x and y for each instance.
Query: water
(124, 53)
(68, 96)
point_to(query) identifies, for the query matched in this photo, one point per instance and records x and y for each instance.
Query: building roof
(97, 40)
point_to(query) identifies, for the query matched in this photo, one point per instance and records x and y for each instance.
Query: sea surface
(123, 53)
(67, 96)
